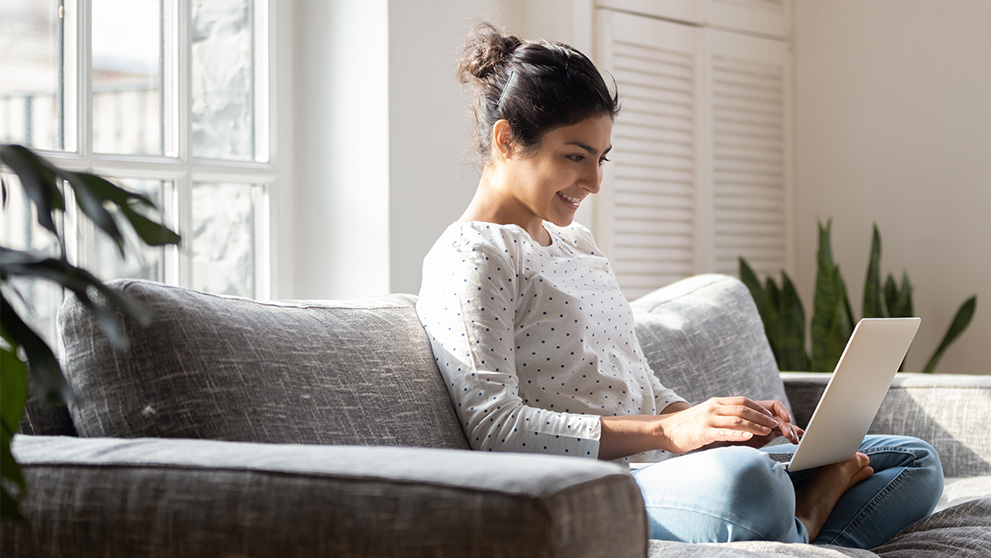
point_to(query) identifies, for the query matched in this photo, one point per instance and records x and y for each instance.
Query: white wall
(340, 218)
(383, 158)
(893, 125)
(433, 170)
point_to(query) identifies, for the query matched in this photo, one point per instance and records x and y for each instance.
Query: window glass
(223, 80)
(33, 103)
(223, 238)
(140, 261)
(127, 77)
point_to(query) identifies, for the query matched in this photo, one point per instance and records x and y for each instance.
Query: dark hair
(536, 86)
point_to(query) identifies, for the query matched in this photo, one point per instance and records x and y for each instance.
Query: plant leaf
(875, 306)
(42, 364)
(840, 329)
(92, 206)
(13, 387)
(39, 179)
(791, 331)
(960, 322)
(10, 472)
(81, 283)
(152, 233)
(825, 299)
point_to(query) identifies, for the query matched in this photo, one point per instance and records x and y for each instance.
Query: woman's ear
(502, 140)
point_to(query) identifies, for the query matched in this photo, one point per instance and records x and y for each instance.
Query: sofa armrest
(199, 498)
(949, 411)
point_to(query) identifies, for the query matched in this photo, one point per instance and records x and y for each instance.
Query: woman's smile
(571, 201)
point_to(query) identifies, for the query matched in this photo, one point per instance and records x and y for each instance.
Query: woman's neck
(493, 204)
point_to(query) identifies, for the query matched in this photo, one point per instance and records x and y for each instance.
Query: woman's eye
(576, 158)
(603, 161)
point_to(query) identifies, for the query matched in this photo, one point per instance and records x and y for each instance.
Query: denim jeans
(739, 493)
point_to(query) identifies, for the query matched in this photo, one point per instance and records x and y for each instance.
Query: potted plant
(832, 318)
(23, 352)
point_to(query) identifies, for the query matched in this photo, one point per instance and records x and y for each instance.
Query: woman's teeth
(570, 198)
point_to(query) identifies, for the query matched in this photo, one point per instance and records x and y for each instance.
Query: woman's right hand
(720, 419)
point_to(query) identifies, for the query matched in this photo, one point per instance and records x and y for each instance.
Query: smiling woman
(537, 346)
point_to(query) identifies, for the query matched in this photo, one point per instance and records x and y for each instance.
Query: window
(167, 97)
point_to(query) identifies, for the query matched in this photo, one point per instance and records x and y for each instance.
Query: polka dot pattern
(535, 343)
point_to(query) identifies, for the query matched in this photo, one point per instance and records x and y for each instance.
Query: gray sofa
(232, 427)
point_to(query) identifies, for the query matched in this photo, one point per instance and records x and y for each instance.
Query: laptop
(854, 393)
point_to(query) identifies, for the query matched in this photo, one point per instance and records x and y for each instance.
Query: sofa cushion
(961, 531)
(200, 498)
(358, 372)
(703, 337)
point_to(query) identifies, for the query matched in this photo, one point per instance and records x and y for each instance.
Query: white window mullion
(82, 250)
(184, 184)
(260, 201)
(172, 41)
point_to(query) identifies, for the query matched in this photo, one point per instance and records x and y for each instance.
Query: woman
(537, 346)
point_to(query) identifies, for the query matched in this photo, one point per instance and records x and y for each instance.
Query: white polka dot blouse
(534, 342)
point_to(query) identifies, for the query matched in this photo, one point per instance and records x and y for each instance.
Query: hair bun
(486, 49)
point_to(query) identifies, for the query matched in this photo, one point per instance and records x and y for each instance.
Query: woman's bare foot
(815, 501)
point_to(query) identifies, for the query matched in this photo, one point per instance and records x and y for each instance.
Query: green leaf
(791, 329)
(899, 299)
(127, 202)
(152, 233)
(11, 478)
(42, 364)
(825, 299)
(875, 306)
(92, 206)
(39, 179)
(81, 283)
(749, 278)
(13, 388)
(840, 329)
(960, 322)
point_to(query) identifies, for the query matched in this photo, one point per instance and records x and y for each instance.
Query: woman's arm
(681, 428)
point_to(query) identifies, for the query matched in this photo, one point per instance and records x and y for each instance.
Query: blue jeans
(739, 493)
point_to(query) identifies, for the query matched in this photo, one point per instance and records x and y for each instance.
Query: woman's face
(551, 183)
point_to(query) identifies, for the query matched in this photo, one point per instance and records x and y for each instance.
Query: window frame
(177, 166)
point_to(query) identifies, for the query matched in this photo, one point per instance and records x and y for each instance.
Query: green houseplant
(833, 318)
(22, 350)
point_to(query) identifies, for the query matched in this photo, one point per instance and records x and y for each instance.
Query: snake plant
(832, 317)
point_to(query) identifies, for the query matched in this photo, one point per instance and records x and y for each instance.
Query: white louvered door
(647, 212)
(751, 152)
(701, 152)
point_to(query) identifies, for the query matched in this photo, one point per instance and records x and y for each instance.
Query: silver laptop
(854, 393)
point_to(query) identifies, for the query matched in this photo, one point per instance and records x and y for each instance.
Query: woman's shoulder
(575, 235)
(467, 236)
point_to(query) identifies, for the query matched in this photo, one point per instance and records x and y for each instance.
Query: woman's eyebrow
(588, 148)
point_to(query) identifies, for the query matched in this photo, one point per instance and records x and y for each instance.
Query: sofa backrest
(358, 372)
(704, 337)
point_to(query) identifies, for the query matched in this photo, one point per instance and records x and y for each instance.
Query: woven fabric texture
(962, 531)
(703, 338)
(200, 498)
(948, 411)
(222, 368)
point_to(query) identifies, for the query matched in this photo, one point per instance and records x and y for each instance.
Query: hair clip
(505, 88)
